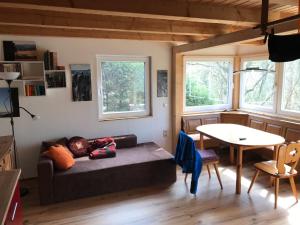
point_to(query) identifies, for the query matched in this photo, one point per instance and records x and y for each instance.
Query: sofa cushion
(47, 144)
(125, 141)
(78, 146)
(146, 152)
(108, 151)
(99, 143)
(61, 157)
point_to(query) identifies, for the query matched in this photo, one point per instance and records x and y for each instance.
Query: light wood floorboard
(174, 204)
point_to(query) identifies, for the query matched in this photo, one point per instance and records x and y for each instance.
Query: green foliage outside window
(123, 86)
(207, 82)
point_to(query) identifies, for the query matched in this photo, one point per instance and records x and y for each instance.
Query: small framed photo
(162, 83)
(56, 79)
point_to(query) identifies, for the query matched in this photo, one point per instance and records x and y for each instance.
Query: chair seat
(269, 167)
(208, 155)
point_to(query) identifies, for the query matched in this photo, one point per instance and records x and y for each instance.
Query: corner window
(208, 84)
(290, 102)
(257, 90)
(123, 87)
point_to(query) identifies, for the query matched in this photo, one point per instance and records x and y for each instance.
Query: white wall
(61, 117)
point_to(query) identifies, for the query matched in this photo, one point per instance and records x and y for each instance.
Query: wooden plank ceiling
(160, 20)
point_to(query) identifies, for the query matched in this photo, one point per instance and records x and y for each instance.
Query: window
(124, 86)
(207, 84)
(290, 102)
(258, 88)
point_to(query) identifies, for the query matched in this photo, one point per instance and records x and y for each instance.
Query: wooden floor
(174, 204)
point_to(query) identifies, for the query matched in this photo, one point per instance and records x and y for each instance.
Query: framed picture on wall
(81, 82)
(5, 110)
(162, 83)
(56, 79)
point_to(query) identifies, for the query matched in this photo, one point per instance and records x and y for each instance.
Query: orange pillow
(61, 157)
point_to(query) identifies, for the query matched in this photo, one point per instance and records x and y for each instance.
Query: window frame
(208, 108)
(102, 116)
(245, 106)
(279, 109)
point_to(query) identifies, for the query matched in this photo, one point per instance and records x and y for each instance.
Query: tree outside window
(124, 86)
(291, 86)
(207, 83)
(257, 87)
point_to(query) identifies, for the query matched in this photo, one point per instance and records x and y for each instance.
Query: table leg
(239, 166)
(231, 154)
(201, 142)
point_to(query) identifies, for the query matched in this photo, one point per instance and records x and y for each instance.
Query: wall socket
(165, 133)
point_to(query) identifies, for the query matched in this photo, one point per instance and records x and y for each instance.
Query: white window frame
(207, 108)
(129, 114)
(245, 106)
(281, 111)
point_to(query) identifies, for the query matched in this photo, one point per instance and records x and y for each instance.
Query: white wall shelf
(32, 76)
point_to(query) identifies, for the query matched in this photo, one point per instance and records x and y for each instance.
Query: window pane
(123, 86)
(291, 86)
(258, 87)
(207, 82)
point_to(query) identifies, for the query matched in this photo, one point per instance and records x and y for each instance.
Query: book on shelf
(34, 90)
(54, 60)
(19, 50)
(50, 60)
(47, 60)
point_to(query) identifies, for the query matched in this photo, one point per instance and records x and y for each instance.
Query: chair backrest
(184, 142)
(185, 154)
(288, 154)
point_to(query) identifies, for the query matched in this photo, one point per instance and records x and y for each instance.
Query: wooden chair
(209, 157)
(283, 168)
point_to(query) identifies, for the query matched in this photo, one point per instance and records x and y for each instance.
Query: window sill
(187, 113)
(125, 118)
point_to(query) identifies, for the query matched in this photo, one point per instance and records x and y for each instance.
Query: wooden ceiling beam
(235, 37)
(100, 22)
(155, 9)
(258, 42)
(63, 32)
(285, 2)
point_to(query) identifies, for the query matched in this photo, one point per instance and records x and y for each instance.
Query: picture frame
(5, 102)
(56, 79)
(162, 83)
(81, 82)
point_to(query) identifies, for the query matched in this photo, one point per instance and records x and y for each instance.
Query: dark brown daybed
(136, 165)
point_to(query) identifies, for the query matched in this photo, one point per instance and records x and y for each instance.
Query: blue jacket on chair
(188, 158)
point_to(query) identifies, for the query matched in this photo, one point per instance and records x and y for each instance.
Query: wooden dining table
(241, 138)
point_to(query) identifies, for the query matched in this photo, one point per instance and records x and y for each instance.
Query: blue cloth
(188, 158)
